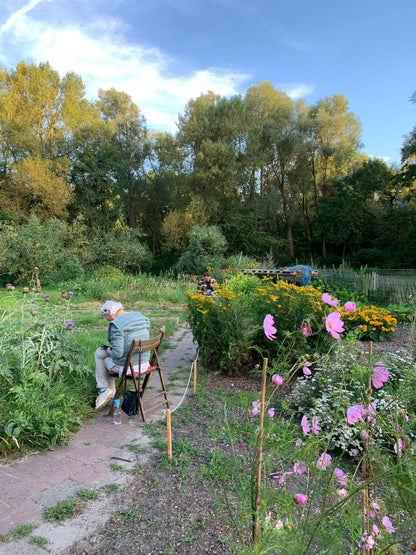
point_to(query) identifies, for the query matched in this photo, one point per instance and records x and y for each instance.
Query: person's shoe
(103, 398)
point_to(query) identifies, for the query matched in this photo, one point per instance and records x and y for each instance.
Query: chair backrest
(142, 346)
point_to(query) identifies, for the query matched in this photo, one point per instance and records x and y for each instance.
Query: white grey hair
(111, 307)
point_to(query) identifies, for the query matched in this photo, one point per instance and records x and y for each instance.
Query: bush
(207, 244)
(230, 333)
(43, 378)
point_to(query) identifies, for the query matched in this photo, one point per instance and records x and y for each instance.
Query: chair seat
(128, 374)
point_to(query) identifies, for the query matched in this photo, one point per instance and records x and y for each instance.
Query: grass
(71, 507)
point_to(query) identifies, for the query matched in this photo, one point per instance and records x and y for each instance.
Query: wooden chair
(141, 379)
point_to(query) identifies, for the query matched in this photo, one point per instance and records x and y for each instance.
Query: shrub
(206, 245)
(43, 380)
(229, 331)
(370, 322)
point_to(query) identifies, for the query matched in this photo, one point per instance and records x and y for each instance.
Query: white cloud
(21, 12)
(297, 90)
(104, 61)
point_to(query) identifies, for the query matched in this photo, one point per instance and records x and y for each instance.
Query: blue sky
(165, 52)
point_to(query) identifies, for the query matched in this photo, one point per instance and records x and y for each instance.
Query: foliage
(44, 382)
(50, 246)
(369, 322)
(237, 316)
(206, 244)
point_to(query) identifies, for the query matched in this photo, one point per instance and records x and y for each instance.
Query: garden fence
(390, 286)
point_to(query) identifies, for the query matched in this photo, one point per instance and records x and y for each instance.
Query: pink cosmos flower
(299, 467)
(305, 426)
(315, 427)
(279, 524)
(298, 443)
(300, 498)
(306, 370)
(373, 510)
(334, 324)
(350, 306)
(376, 531)
(281, 478)
(355, 414)
(256, 408)
(271, 413)
(400, 446)
(367, 542)
(363, 435)
(412, 549)
(329, 300)
(305, 328)
(386, 522)
(324, 461)
(380, 375)
(268, 326)
(342, 492)
(277, 380)
(340, 477)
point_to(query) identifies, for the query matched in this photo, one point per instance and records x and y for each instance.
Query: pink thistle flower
(69, 325)
(334, 324)
(256, 408)
(324, 461)
(386, 522)
(305, 426)
(300, 498)
(380, 375)
(305, 328)
(47, 297)
(306, 370)
(340, 477)
(355, 413)
(299, 467)
(315, 427)
(329, 300)
(70, 293)
(271, 412)
(350, 306)
(268, 326)
(277, 380)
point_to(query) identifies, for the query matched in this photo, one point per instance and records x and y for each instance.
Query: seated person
(206, 285)
(123, 327)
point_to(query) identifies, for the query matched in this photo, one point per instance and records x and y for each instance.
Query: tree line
(270, 174)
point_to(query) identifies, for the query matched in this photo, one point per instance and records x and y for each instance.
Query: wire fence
(387, 286)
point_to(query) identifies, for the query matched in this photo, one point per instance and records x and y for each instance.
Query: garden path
(37, 481)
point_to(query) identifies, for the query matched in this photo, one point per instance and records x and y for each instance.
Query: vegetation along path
(98, 462)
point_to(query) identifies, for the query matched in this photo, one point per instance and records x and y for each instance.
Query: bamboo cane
(256, 525)
(169, 434)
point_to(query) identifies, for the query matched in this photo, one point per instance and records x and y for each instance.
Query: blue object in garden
(305, 271)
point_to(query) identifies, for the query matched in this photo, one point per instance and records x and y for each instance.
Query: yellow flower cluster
(373, 319)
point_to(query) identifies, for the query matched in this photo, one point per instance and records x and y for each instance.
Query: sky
(164, 53)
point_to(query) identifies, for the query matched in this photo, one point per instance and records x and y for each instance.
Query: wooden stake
(194, 377)
(169, 435)
(256, 526)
